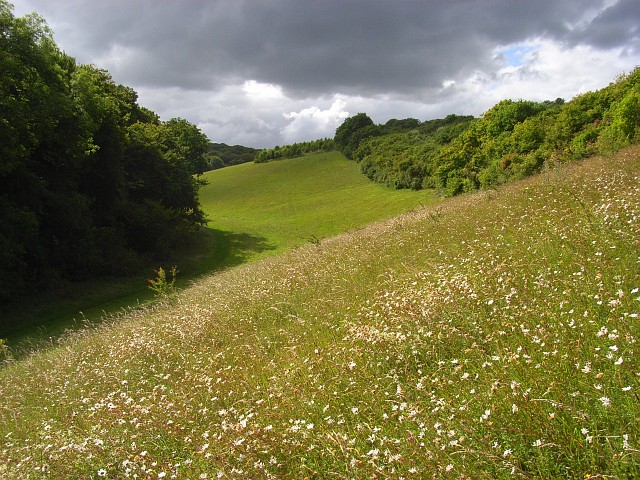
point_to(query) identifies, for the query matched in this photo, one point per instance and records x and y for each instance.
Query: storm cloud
(262, 73)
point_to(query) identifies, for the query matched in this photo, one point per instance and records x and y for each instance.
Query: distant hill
(298, 200)
(223, 155)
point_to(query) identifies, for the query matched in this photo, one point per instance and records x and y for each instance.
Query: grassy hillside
(489, 336)
(279, 205)
(254, 210)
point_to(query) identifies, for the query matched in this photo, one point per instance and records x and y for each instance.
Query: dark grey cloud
(313, 46)
(424, 53)
(618, 25)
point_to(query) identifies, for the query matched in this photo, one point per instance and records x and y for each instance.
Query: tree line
(293, 150)
(511, 140)
(221, 155)
(91, 183)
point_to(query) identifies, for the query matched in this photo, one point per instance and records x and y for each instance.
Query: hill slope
(290, 202)
(492, 335)
(254, 211)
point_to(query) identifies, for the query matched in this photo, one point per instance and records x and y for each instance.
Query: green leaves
(186, 144)
(161, 286)
(353, 131)
(504, 116)
(513, 139)
(87, 176)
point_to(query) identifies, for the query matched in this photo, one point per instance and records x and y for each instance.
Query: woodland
(512, 140)
(91, 183)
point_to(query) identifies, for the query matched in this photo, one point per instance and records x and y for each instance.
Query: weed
(162, 287)
(5, 351)
(314, 240)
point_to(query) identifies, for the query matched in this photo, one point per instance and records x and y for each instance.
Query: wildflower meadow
(491, 335)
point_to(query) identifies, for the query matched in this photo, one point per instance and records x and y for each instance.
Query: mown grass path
(489, 336)
(254, 210)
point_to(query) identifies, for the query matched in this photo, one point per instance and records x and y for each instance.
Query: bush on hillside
(511, 140)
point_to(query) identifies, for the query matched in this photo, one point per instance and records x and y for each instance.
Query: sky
(262, 73)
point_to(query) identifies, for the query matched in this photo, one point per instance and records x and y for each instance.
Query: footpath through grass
(489, 336)
(254, 210)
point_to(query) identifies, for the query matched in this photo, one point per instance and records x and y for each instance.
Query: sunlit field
(286, 203)
(486, 336)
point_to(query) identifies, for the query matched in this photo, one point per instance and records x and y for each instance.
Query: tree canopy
(90, 181)
(223, 155)
(511, 140)
(353, 131)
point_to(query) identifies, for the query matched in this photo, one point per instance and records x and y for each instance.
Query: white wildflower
(373, 452)
(606, 401)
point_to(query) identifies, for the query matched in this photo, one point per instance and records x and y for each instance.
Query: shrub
(161, 286)
(625, 119)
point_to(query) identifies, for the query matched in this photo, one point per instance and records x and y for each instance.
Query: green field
(493, 335)
(275, 206)
(254, 210)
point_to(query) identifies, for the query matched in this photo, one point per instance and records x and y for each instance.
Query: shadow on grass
(215, 250)
(37, 321)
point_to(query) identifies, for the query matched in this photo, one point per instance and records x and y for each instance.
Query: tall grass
(489, 336)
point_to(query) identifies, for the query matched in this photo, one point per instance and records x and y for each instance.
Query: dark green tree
(41, 147)
(185, 145)
(162, 192)
(352, 132)
(89, 180)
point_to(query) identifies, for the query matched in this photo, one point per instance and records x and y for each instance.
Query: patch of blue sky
(516, 55)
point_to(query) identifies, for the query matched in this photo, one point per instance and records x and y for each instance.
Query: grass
(488, 336)
(254, 211)
(287, 203)
(33, 325)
